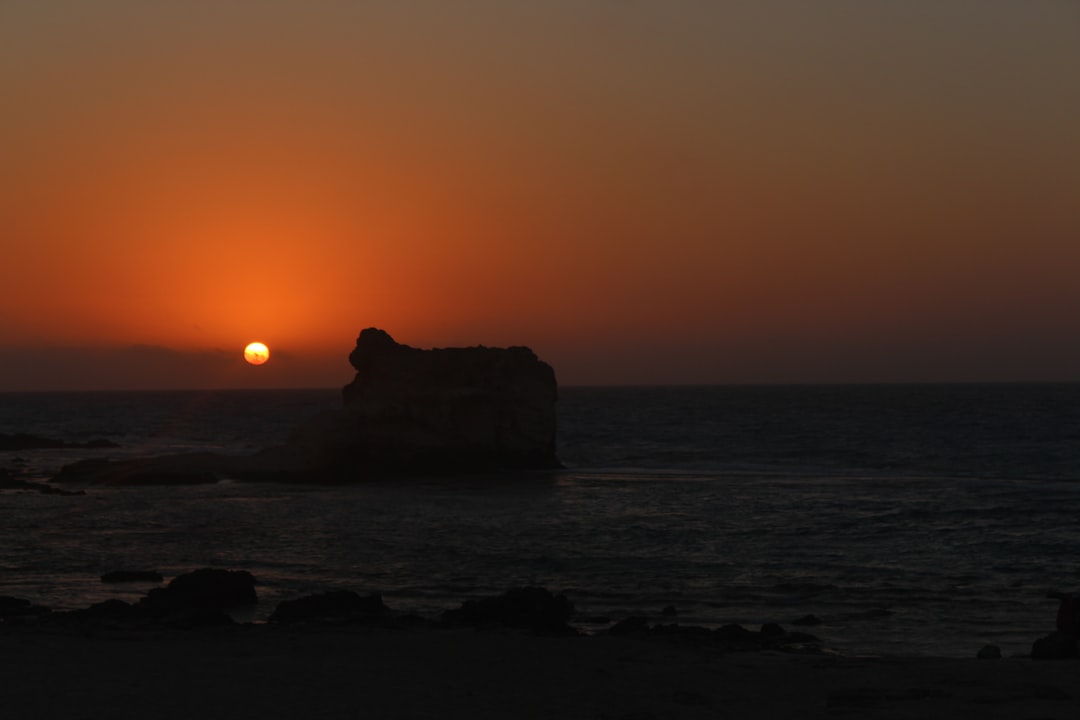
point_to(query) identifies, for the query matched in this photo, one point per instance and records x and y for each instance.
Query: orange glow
(719, 195)
(256, 353)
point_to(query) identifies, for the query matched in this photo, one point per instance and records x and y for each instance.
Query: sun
(256, 353)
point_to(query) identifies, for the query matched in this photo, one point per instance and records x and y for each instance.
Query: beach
(265, 672)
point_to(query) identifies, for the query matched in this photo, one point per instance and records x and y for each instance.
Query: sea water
(908, 519)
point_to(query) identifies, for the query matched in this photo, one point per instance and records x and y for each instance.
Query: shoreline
(273, 671)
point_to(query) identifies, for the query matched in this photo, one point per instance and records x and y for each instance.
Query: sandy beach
(347, 672)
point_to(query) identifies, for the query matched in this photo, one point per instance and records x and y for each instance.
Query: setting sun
(256, 353)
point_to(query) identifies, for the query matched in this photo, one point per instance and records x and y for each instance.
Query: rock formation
(407, 410)
(442, 410)
(25, 441)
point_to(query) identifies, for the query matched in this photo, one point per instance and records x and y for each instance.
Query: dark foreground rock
(197, 599)
(9, 482)
(531, 608)
(1055, 646)
(13, 607)
(1064, 641)
(336, 605)
(196, 469)
(26, 441)
(205, 589)
(729, 637)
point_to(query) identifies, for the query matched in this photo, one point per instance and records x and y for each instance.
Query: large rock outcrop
(407, 410)
(440, 410)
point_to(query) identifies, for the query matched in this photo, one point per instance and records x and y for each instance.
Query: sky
(643, 191)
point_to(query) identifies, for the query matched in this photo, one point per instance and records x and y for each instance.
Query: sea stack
(407, 411)
(442, 410)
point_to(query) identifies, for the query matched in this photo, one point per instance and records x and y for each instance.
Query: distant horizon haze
(152, 368)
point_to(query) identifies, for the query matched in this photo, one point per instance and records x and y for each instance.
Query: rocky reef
(407, 411)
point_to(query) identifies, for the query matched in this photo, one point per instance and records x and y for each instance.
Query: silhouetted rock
(688, 632)
(807, 620)
(50, 490)
(188, 469)
(336, 605)
(771, 631)
(989, 652)
(197, 618)
(25, 441)
(123, 576)
(90, 470)
(1068, 614)
(114, 610)
(630, 625)
(11, 607)
(195, 469)
(770, 637)
(738, 637)
(204, 589)
(530, 607)
(441, 410)
(729, 637)
(789, 640)
(1055, 646)
(9, 482)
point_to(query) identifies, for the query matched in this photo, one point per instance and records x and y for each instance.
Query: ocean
(909, 519)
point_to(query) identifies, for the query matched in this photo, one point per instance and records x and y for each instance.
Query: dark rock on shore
(25, 441)
(531, 608)
(201, 599)
(729, 637)
(807, 620)
(8, 482)
(11, 607)
(168, 470)
(198, 599)
(50, 490)
(338, 605)
(123, 576)
(113, 609)
(630, 625)
(1055, 646)
(204, 589)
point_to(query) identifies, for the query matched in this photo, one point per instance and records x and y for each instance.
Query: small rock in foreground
(533, 608)
(341, 605)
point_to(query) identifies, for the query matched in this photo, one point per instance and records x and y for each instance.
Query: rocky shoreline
(210, 597)
(213, 597)
(176, 653)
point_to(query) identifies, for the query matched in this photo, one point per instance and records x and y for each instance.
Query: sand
(347, 672)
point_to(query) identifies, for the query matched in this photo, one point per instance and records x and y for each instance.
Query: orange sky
(644, 192)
